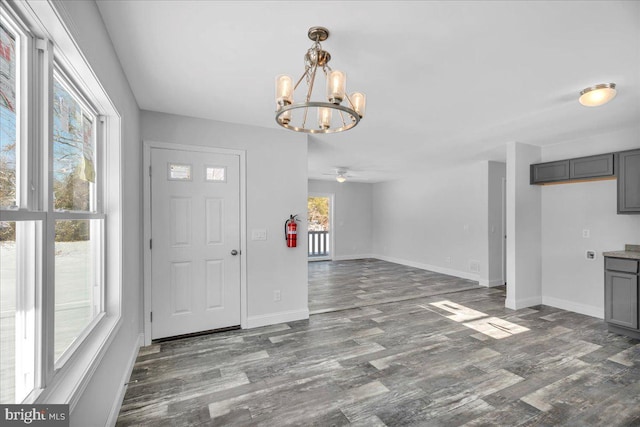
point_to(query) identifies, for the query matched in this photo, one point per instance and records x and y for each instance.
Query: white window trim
(66, 384)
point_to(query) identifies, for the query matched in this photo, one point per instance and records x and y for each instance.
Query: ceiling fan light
(341, 178)
(597, 95)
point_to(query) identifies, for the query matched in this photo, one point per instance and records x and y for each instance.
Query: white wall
(423, 220)
(104, 390)
(276, 187)
(352, 217)
(524, 265)
(569, 280)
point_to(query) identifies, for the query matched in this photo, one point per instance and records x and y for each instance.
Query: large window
(8, 117)
(78, 224)
(52, 220)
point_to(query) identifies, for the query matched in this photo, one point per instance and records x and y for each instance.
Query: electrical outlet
(276, 295)
(586, 233)
(448, 260)
(590, 255)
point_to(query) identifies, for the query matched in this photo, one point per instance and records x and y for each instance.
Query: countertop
(630, 252)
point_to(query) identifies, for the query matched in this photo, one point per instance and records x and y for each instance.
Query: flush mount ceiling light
(597, 95)
(336, 112)
(341, 178)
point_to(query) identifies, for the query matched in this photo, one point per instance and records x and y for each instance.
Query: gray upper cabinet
(629, 182)
(591, 167)
(549, 172)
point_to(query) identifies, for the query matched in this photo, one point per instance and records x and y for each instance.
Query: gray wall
(493, 275)
(569, 280)
(523, 228)
(434, 220)
(85, 23)
(276, 187)
(352, 217)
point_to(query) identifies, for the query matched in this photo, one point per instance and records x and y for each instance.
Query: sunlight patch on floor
(493, 327)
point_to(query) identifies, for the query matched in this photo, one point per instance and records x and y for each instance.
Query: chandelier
(338, 113)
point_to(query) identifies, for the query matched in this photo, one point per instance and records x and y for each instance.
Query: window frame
(94, 213)
(30, 249)
(49, 44)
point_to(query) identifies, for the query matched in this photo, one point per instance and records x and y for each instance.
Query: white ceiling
(446, 82)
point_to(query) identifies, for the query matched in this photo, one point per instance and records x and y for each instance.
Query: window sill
(69, 382)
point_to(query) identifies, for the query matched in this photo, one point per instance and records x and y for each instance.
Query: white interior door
(195, 232)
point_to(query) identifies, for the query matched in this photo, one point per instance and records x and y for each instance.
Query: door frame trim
(146, 220)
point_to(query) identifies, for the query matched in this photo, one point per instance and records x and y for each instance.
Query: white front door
(195, 238)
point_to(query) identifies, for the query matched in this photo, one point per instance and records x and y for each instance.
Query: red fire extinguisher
(290, 231)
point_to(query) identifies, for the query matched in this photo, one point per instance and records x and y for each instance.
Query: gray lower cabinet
(621, 296)
(621, 299)
(629, 182)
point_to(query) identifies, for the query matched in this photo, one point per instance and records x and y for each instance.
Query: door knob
(234, 252)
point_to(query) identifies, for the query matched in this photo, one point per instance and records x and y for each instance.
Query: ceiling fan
(341, 174)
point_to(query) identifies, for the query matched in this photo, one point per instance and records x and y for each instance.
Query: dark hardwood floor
(339, 285)
(453, 359)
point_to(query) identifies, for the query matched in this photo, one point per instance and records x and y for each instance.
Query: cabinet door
(550, 172)
(621, 299)
(591, 167)
(629, 182)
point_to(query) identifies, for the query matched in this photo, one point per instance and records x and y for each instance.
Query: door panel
(195, 224)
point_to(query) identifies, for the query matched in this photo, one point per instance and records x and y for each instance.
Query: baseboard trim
(588, 310)
(441, 270)
(522, 303)
(275, 318)
(117, 403)
(491, 283)
(352, 257)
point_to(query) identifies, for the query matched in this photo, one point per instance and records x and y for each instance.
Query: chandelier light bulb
(336, 83)
(341, 178)
(597, 95)
(284, 90)
(324, 118)
(358, 102)
(285, 117)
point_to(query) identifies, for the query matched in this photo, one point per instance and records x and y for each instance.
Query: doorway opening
(320, 226)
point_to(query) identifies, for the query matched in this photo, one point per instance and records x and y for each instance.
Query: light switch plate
(259, 234)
